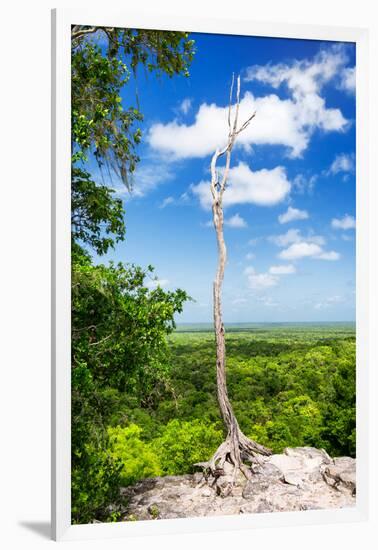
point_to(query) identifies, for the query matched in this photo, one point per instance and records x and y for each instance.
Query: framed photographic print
(209, 274)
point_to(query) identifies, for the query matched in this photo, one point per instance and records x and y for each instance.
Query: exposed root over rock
(237, 454)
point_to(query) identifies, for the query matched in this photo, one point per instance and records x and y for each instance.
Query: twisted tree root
(236, 450)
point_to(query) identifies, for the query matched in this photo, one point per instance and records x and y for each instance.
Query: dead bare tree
(237, 449)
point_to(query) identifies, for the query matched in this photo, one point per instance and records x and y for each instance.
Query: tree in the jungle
(237, 448)
(119, 325)
(103, 61)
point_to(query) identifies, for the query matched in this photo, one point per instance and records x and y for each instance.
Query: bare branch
(82, 32)
(100, 341)
(246, 123)
(237, 108)
(78, 31)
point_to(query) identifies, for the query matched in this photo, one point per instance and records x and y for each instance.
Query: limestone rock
(341, 474)
(302, 478)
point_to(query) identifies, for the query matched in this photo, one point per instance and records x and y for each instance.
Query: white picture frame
(61, 293)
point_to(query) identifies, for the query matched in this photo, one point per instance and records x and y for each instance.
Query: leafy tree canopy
(97, 217)
(119, 353)
(103, 60)
(120, 326)
(120, 323)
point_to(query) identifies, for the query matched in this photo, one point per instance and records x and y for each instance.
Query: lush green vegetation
(120, 355)
(290, 385)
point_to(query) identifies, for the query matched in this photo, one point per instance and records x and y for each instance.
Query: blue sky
(290, 204)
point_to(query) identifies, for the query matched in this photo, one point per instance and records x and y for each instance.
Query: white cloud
(297, 246)
(342, 163)
(258, 281)
(292, 214)
(289, 122)
(295, 236)
(305, 76)
(282, 269)
(348, 79)
(249, 256)
(166, 202)
(262, 187)
(182, 199)
(330, 256)
(154, 283)
(347, 222)
(236, 222)
(291, 236)
(317, 239)
(299, 250)
(302, 183)
(261, 281)
(304, 80)
(185, 105)
(283, 122)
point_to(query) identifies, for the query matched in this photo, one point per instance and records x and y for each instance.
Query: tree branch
(78, 31)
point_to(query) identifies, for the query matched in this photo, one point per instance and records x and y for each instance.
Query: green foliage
(289, 386)
(178, 446)
(288, 389)
(120, 356)
(102, 63)
(97, 218)
(296, 423)
(99, 124)
(119, 347)
(182, 444)
(137, 458)
(339, 408)
(120, 327)
(95, 481)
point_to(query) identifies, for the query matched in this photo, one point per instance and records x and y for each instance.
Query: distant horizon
(258, 323)
(269, 322)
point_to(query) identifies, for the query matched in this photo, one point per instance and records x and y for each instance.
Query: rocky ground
(302, 478)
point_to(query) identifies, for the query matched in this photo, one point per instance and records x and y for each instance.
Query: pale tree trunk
(237, 447)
